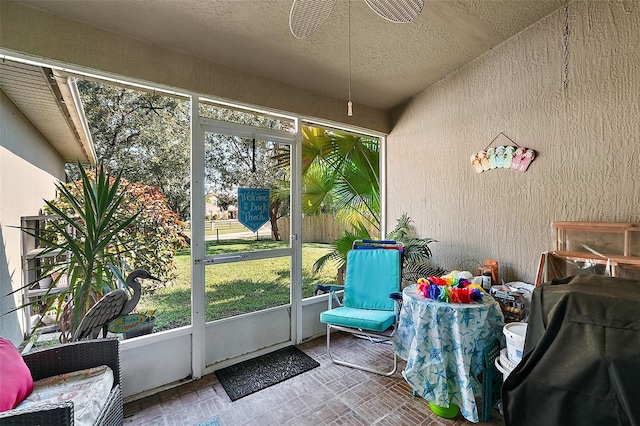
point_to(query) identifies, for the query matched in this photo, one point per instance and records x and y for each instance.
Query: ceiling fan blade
(307, 16)
(399, 11)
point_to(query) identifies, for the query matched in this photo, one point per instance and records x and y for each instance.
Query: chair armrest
(75, 356)
(39, 414)
(112, 413)
(332, 293)
(397, 296)
(329, 288)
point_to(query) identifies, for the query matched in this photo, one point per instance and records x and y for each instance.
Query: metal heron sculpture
(113, 305)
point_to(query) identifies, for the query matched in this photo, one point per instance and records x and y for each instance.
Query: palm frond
(416, 250)
(341, 247)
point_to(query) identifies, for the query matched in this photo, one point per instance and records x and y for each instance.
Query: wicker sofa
(64, 359)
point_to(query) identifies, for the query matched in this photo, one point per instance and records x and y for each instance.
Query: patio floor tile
(327, 395)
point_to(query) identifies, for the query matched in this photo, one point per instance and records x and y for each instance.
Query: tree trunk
(273, 218)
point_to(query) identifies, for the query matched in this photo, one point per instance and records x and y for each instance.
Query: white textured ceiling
(390, 62)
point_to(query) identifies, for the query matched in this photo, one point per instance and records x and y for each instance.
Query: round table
(443, 345)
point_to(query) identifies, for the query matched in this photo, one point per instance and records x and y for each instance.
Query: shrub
(152, 238)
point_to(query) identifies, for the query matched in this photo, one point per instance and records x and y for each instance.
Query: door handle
(211, 260)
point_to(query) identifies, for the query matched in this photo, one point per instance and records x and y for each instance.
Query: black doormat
(250, 376)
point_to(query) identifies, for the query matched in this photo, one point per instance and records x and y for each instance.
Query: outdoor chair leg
(358, 366)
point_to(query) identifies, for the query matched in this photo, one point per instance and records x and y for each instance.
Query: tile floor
(327, 395)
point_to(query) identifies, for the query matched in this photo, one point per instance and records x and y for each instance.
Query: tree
(151, 240)
(144, 134)
(232, 162)
(147, 135)
(341, 175)
(225, 200)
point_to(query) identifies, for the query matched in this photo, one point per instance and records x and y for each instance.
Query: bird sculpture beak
(151, 277)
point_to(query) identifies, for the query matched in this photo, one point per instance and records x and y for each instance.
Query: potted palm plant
(416, 250)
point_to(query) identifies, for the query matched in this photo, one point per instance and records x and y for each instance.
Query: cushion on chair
(88, 389)
(366, 319)
(14, 375)
(371, 276)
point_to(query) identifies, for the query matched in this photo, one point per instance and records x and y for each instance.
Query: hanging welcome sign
(253, 207)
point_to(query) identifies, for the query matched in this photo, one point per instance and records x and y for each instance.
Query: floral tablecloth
(443, 345)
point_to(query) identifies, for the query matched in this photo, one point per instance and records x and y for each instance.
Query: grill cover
(581, 363)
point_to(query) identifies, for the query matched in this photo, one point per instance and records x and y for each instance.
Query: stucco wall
(587, 139)
(27, 30)
(28, 169)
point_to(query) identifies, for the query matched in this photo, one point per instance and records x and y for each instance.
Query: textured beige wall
(28, 169)
(27, 30)
(587, 139)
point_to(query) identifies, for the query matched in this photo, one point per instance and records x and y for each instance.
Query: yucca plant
(88, 234)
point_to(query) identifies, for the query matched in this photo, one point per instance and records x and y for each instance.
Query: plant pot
(62, 280)
(45, 282)
(144, 328)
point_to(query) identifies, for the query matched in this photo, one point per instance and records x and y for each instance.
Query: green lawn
(235, 288)
(222, 228)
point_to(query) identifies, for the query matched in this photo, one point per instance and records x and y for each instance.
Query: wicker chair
(65, 359)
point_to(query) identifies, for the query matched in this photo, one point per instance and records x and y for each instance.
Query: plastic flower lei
(450, 289)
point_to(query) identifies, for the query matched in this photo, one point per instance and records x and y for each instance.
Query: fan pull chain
(566, 45)
(349, 104)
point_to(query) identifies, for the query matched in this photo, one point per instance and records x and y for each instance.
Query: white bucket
(504, 360)
(515, 333)
(503, 369)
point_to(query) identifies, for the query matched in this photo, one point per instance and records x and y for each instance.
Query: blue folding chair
(371, 301)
